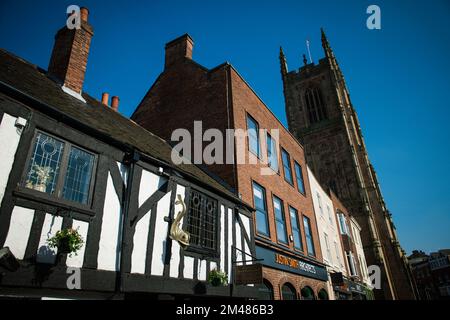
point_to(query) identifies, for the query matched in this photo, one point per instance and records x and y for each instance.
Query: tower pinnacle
(283, 63)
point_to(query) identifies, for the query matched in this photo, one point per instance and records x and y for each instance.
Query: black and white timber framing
(126, 226)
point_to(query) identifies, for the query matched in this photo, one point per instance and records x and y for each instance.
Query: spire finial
(283, 62)
(281, 52)
(324, 39)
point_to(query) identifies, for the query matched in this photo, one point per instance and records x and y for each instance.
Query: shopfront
(289, 277)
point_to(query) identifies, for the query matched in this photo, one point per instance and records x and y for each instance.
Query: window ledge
(41, 197)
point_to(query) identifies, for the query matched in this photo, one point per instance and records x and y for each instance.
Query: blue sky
(397, 76)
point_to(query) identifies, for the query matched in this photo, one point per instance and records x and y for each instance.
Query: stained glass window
(44, 166)
(202, 221)
(59, 169)
(78, 176)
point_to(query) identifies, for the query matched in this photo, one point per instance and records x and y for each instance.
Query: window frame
(265, 207)
(283, 215)
(292, 291)
(313, 253)
(258, 138)
(277, 169)
(297, 218)
(296, 164)
(319, 202)
(199, 249)
(57, 196)
(284, 152)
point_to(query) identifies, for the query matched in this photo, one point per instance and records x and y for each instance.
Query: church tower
(321, 116)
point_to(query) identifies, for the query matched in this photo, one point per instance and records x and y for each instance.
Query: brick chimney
(70, 54)
(178, 50)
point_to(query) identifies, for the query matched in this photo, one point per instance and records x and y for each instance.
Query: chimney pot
(84, 13)
(115, 103)
(105, 98)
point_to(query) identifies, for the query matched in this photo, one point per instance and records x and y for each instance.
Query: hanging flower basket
(217, 278)
(67, 241)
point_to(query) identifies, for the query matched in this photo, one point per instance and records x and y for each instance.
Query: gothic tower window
(315, 106)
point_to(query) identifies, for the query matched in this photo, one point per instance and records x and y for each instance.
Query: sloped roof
(34, 82)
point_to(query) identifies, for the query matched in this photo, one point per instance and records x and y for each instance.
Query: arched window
(322, 295)
(288, 292)
(307, 293)
(266, 291)
(315, 106)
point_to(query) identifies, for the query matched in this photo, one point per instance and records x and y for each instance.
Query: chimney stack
(105, 98)
(70, 54)
(178, 50)
(115, 103)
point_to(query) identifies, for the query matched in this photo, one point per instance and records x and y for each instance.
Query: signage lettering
(293, 263)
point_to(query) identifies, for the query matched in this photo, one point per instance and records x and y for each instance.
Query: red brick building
(285, 232)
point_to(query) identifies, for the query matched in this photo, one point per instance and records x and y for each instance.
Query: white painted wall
(149, 183)
(201, 270)
(19, 231)
(356, 231)
(325, 225)
(107, 252)
(222, 238)
(161, 228)
(9, 140)
(239, 255)
(246, 223)
(76, 260)
(188, 271)
(52, 224)
(230, 242)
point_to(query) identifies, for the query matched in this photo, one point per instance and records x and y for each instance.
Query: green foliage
(218, 278)
(67, 241)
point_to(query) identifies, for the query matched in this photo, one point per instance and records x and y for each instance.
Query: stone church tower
(321, 116)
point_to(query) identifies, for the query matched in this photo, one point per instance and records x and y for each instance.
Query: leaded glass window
(59, 169)
(202, 221)
(78, 176)
(44, 166)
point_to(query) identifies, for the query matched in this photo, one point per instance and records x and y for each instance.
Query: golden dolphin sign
(176, 233)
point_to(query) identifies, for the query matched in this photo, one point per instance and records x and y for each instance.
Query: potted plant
(67, 241)
(217, 278)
